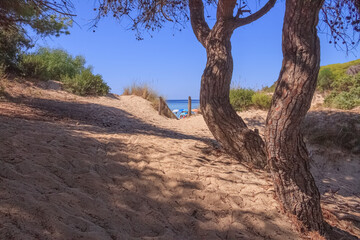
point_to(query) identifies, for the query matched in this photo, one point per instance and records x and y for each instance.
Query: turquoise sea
(182, 104)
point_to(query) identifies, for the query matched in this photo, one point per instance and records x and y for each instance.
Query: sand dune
(111, 168)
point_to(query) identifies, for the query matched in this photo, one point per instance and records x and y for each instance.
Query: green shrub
(51, 64)
(261, 100)
(241, 98)
(12, 43)
(56, 64)
(346, 83)
(325, 79)
(345, 93)
(86, 83)
(344, 100)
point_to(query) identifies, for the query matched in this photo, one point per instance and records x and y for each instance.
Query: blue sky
(172, 62)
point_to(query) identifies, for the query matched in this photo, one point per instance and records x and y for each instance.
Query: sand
(112, 168)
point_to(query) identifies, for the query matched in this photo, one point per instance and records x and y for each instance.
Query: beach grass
(144, 91)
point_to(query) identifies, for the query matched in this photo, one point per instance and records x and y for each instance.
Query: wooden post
(189, 107)
(160, 105)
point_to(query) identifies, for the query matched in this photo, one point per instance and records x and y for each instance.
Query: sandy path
(111, 168)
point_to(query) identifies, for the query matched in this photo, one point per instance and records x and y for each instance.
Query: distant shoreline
(182, 104)
(185, 100)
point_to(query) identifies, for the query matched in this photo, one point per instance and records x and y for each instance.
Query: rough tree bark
(286, 151)
(223, 122)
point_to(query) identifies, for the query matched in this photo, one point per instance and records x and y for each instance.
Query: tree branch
(163, 13)
(357, 5)
(255, 16)
(225, 9)
(200, 27)
(56, 7)
(241, 11)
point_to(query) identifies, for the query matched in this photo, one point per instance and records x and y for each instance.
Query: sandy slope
(111, 168)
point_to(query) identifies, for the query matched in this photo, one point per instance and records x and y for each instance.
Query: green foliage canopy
(11, 43)
(17, 17)
(45, 17)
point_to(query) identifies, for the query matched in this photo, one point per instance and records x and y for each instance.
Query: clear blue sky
(172, 62)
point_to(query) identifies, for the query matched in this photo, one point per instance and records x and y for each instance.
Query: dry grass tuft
(145, 92)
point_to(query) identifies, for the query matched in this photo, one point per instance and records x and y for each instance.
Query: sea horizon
(182, 103)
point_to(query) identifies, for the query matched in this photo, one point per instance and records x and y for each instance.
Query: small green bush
(56, 64)
(344, 100)
(261, 100)
(86, 83)
(241, 98)
(51, 64)
(346, 83)
(325, 79)
(345, 93)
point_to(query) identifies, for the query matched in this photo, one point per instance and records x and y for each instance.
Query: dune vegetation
(56, 64)
(144, 91)
(52, 64)
(244, 98)
(341, 90)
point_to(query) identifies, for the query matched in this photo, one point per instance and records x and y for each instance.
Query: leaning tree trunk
(286, 151)
(224, 123)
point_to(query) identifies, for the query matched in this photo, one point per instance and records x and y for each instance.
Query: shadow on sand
(75, 187)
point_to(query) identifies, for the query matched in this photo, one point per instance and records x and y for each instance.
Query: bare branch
(198, 23)
(163, 13)
(255, 16)
(145, 15)
(341, 21)
(241, 11)
(55, 7)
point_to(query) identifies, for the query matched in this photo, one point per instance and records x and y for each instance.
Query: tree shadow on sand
(334, 141)
(75, 187)
(99, 118)
(58, 183)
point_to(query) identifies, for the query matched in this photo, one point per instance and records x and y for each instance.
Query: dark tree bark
(223, 122)
(286, 151)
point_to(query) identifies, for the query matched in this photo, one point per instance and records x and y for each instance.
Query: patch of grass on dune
(144, 91)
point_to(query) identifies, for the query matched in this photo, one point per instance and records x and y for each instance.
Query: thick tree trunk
(287, 154)
(224, 123)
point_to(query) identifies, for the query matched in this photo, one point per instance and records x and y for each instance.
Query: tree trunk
(224, 123)
(286, 151)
